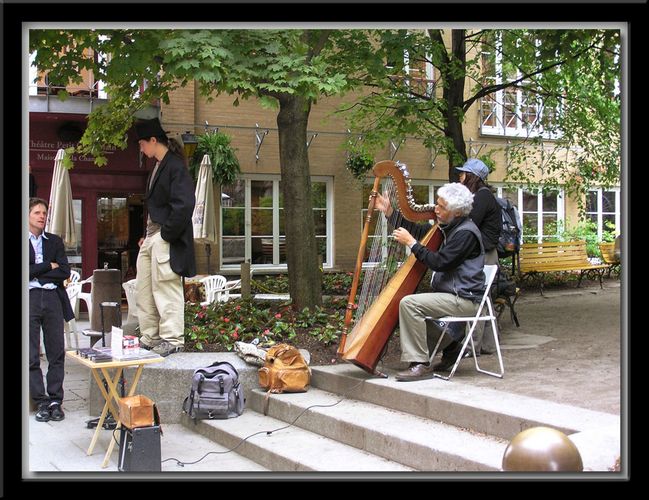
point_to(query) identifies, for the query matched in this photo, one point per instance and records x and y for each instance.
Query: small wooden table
(111, 396)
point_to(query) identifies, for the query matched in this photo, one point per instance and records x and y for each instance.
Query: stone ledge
(168, 383)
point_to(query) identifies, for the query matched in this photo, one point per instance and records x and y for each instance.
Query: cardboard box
(136, 411)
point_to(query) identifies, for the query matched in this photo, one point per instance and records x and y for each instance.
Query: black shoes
(444, 365)
(43, 413)
(49, 411)
(56, 412)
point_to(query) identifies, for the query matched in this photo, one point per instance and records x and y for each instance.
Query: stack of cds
(95, 355)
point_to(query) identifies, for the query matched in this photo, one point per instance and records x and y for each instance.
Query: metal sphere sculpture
(542, 449)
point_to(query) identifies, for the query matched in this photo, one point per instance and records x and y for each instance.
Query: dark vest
(468, 279)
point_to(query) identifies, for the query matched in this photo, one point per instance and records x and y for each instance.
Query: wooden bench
(536, 259)
(609, 257)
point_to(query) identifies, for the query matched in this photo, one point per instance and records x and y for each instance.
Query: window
(541, 212)
(423, 192)
(512, 111)
(253, 222)
(602, 209)
(420, 75)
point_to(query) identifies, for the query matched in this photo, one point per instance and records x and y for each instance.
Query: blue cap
(476, 167)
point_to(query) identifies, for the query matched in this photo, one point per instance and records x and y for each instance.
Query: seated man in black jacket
(457, 284)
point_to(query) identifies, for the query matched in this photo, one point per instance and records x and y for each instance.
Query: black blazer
(170, 202)
(53, 251)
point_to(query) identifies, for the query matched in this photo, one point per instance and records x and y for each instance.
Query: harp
(377, 309)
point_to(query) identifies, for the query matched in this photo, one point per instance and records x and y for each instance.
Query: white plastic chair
(490, 273)
(129, 290)
(86, 297)
(214, 286)
(73, 290)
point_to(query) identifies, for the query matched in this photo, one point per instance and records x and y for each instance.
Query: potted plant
(225, 165)
(359, 162)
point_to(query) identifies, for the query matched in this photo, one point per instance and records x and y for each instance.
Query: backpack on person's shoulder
(509, 242)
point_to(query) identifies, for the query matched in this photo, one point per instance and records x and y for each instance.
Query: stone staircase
(349, 421)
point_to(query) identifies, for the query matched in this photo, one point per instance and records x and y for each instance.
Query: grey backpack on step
(215, 393)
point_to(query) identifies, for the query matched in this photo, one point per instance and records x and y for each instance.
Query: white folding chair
(129, 290)
(73, 290)
(214, 286)
(490, 273)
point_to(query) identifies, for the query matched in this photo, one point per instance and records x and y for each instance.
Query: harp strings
(384, 254)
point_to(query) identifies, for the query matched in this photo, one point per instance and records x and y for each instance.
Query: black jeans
(45, 312)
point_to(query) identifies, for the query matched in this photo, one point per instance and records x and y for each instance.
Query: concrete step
(287, 448)
(453, 402)
(414, 441)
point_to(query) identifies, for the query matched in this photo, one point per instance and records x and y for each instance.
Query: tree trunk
(454, 96)
(304, 276)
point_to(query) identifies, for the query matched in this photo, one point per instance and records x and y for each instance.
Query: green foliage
(359, 162)
(67, 158)
(336, 284)
(225, 323)
(225, 165)
(586, 230)
(573, 74)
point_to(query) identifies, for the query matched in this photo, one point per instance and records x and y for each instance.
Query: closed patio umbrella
(203, 218)
(60, 216)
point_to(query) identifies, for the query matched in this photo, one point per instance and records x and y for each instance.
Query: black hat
(145, 129)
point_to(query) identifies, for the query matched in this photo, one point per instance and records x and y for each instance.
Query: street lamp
(189, 143)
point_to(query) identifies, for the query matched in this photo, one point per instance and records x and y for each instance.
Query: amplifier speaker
(139, 450)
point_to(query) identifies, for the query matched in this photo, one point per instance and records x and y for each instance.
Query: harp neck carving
(407, 206)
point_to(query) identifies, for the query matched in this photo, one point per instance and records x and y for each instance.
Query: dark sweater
(486, 215)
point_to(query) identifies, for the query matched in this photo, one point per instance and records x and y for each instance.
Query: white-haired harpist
(457, 285)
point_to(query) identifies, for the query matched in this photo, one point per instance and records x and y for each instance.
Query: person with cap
(167, 249)
(457, 284)
(486, 214)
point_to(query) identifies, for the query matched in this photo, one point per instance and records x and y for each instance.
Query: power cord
(268, 433)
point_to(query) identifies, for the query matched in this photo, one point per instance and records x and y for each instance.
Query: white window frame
(539, 210)
(501, 128)
(275, 179)
(600, 213)
(430, 73)
(33, 74)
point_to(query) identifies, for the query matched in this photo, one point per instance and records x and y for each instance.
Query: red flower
(227, 320)
(234, 335)
(278, 315)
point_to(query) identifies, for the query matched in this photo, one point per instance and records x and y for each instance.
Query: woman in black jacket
(486, 211)
(486, 214)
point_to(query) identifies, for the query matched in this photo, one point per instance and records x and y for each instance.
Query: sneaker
(56, 412)
(43, 413)
(147, 346)
(164, 348)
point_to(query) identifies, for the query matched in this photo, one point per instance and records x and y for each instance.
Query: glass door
(119, 227)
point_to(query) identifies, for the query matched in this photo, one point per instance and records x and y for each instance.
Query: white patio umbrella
(203, 218)
(60, 216)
